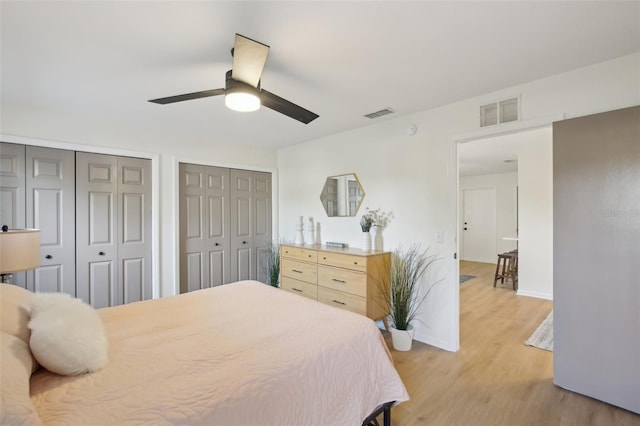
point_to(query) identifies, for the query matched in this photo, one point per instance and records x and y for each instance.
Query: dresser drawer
(302, 271)
(299, 287)
(342, 300)
(352, 282)
(300, 253)
(339, 260)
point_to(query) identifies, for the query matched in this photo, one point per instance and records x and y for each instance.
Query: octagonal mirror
(342, 195)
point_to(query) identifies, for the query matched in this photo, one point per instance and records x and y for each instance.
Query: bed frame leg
(385, 410)
(387, 415)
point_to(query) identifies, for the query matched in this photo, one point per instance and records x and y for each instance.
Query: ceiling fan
(242, 91)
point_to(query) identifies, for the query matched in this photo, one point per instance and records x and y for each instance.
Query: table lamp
(19, 251)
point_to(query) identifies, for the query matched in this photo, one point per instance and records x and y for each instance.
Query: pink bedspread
(239, 354)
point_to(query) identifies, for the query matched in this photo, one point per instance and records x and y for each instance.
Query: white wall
(61, 130)
(535, 183)
(505, 185)
(416, 176)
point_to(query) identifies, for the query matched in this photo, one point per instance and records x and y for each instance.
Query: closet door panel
(96, 215)
(133, 274)
(102, 284)
(242, 263)
(49, 279)
(218, 244)
(243, 258)
(262, 224)
(12, 192)
(50, 181)
(193, 227)
(193, 271)
(134, 230)
(217, 267)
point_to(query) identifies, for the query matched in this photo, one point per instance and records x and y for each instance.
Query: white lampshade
(242, 101)
(19, 250)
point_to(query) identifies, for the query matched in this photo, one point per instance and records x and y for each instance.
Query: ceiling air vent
(380, 113)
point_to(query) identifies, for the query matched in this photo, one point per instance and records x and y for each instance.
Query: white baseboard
(535, 294)
(439, 343)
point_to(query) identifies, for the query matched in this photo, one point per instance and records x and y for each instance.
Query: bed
(239, 354)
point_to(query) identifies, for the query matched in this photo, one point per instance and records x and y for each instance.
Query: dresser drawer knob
(338, 302)
(338, 281)
(296, 271)
(309, 255)
(355, 263)
(324, 258)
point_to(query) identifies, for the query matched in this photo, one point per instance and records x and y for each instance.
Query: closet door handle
(338, 281)
(48, 256)
(102, 253)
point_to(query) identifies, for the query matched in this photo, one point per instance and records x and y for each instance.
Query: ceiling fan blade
(249, 57)
(287, 108)
(188, 96)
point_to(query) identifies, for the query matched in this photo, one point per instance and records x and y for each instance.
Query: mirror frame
(361, 200)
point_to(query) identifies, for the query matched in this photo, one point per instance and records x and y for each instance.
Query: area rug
(465, 278)
(543, 336)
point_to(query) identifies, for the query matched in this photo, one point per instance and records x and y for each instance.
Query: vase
(299, 235)
(366, 241)
(402, 339)
(378, 242)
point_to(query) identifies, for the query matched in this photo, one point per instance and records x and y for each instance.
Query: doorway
(479, 224)
(529, 228)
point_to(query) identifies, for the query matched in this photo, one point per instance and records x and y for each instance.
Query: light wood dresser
(346, 278)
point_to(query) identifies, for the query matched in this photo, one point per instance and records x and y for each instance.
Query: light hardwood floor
(494, 379)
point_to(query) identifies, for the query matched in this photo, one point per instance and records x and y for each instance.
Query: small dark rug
(465, 278)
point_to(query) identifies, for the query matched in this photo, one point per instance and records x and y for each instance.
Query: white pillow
(67, 335)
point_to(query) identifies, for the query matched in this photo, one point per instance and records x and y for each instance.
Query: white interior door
(479, 225)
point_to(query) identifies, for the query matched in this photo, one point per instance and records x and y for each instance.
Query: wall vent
(500, 112)
(385, 111)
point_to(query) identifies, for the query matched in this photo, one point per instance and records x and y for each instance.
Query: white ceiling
(339, 59)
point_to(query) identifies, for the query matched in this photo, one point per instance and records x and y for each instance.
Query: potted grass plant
(402, 297)
(272, 264)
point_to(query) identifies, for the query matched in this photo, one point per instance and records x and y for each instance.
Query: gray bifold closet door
(12, 193)
(204, 235)
(225, 225)
(38, 191)
(51, 200)
(113, 222)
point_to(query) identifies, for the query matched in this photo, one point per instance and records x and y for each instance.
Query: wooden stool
(507, 268)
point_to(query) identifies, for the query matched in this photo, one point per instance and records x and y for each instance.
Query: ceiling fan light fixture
(242, 101)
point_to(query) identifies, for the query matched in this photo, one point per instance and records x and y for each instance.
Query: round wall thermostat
(412, 129)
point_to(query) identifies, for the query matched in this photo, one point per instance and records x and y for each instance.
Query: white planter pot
(366, 241)
(401, 339)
